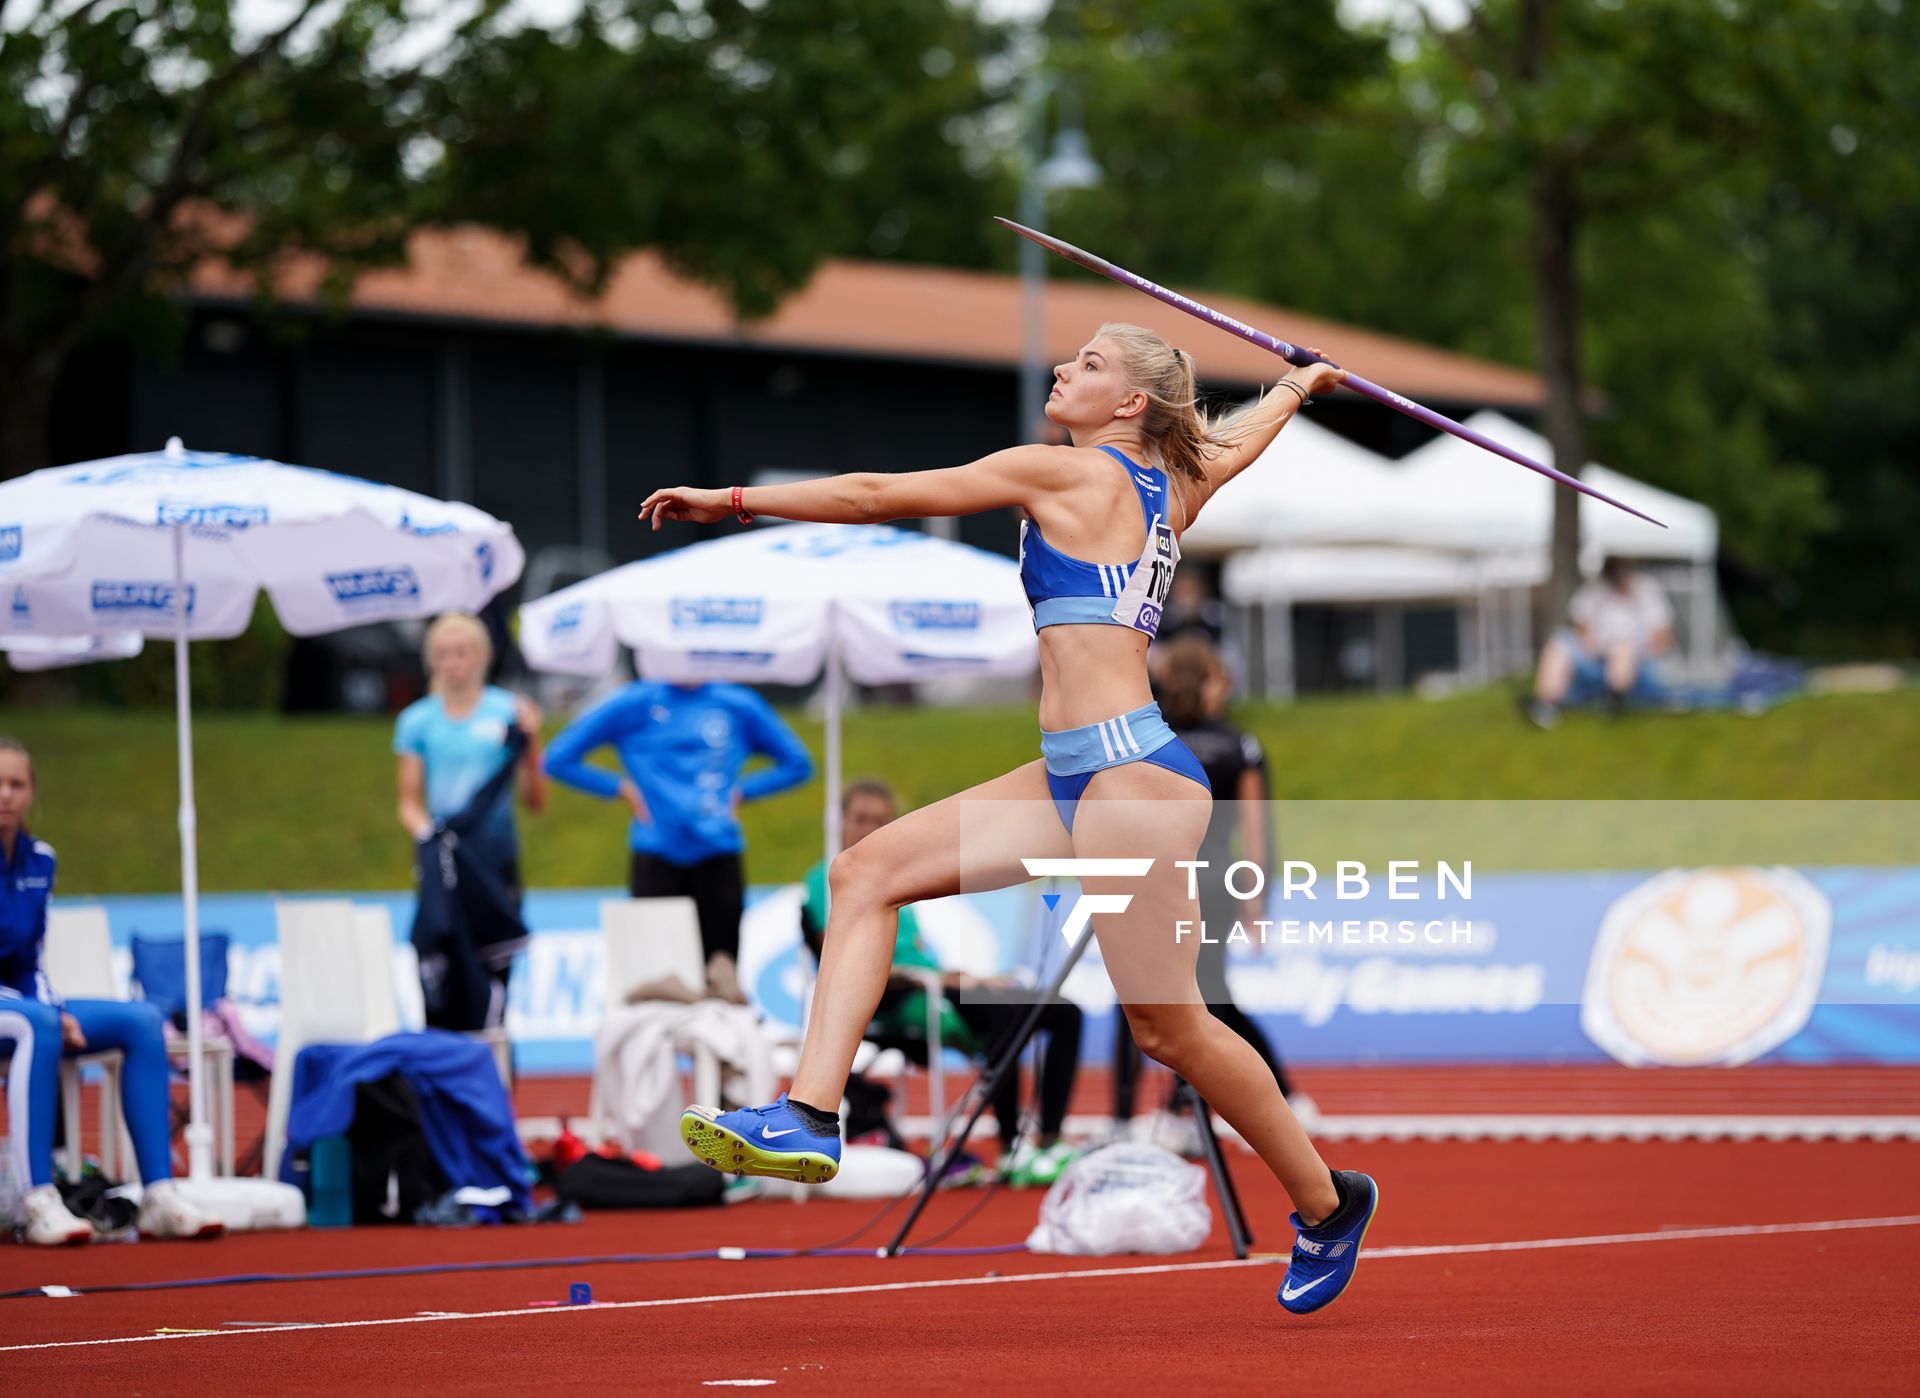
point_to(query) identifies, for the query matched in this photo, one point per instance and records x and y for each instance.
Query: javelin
(1294, 354)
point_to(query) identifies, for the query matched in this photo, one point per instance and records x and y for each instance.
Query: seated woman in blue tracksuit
(36, 1030)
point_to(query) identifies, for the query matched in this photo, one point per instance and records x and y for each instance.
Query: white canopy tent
(1448, 523)
(777, 605)
(1310, 486)
(1451, 494)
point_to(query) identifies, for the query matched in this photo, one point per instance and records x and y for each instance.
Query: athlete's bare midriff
(1091, 673)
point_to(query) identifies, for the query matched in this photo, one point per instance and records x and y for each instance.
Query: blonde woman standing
(451, 743)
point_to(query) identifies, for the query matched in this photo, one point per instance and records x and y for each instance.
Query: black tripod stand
(1008, 1061)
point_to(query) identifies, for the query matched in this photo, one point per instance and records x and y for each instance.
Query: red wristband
(740, 511)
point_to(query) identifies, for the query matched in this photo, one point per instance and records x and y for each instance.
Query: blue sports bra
(1063, 590)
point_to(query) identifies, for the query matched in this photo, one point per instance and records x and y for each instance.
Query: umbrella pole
(835, 684)
(199, 1136)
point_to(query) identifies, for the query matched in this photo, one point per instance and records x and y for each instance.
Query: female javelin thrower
(1112, 782)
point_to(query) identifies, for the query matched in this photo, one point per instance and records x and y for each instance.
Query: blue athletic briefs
(1073, 755)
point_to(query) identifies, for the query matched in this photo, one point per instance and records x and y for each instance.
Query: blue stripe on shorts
(1073, 755)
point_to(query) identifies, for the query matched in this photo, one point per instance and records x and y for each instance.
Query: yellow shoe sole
(1358, 1243)
(729, 1152)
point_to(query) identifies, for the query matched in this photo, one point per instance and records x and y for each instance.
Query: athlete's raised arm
(1016, 476)
(1251, 432)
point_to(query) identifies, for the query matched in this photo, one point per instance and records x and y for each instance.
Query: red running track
(1674, 1306)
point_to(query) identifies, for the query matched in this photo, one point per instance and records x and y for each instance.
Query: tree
(742, 141)
(141, 139)
(1598, 112)
(1201, 114)
(745, 141)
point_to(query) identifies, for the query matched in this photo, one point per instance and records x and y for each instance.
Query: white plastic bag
(1126, 1197)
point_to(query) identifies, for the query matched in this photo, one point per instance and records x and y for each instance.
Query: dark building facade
(469, 377)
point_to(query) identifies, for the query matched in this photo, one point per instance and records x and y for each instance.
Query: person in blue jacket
(684, 747)
(36, 1030)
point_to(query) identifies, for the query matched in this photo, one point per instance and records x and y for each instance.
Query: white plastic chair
(78, 960)
(649, 939)
(336, 987)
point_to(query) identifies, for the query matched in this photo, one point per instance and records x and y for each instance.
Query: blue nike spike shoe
(770, 1141)
(1324, 1257)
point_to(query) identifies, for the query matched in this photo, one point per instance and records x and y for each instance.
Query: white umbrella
(180, 544)
(776, 605)
(54, 652)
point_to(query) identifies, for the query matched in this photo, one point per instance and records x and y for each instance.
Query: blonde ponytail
(1178, 434)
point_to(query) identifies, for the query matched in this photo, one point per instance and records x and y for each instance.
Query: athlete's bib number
(1145, 598)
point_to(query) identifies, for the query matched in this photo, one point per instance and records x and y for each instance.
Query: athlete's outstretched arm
(1016, 476)
(1251, 432)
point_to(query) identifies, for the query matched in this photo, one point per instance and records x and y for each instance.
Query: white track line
(1667, 1235)
(1393, 1125)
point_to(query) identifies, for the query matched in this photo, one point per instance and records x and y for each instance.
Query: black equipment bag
(394, 1171)
(604, 1182)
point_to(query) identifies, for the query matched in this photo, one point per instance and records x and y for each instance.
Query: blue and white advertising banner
(1719, 964)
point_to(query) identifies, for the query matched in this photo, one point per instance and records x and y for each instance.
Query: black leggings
(1211, 972)
(717, 887)
(994, 1017)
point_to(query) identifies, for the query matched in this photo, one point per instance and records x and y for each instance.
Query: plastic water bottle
(332, 1162)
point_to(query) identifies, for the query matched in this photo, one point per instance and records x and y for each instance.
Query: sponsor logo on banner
(691, 612)
(373, 587)
(9, 542)
(151, 598)
(1706, 966)
(421, 530)
(210, 516)
(934, 616)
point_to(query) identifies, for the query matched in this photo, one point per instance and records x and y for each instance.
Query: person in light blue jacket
(684, 748)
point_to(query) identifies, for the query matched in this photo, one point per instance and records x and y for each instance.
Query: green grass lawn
(308, 803)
